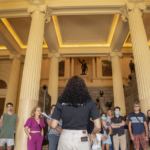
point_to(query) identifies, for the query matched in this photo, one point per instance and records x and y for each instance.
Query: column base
(24, 112)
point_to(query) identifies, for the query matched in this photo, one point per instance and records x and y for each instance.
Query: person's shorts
(9, 142)
(140, 139)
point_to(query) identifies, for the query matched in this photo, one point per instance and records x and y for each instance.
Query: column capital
(16, 56)
(113, 54)
(32, 9)
(12, 56)
(56, 55)
(132, 7)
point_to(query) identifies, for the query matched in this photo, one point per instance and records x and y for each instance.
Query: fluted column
(29, 94)
(133, 14)
(119, 99)
(53, 76)
(72, 67)
(93, 64)
(13, 81)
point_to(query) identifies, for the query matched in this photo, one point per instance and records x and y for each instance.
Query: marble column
(118, 91)
(12, 90)
(30, 86)
(133, 14)
(53, 76)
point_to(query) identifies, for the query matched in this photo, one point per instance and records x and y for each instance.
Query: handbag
(139, 121)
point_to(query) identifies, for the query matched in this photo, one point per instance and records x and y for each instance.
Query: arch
(3, 84)
(5, 73)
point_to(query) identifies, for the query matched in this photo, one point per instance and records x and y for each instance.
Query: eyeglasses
(136, 106)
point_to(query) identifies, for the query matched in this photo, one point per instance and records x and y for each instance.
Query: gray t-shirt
(52, 131)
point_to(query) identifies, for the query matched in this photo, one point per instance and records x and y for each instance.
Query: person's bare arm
(1, 121)
(117, 125)
(90, 139)
(53, 124)
(110, 130)
(130, 130)
(146, 129)
(27, 132)
(97, 128)
(107, 136)
(58, 129)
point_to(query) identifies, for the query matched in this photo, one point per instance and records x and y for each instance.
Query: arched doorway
(3, 89)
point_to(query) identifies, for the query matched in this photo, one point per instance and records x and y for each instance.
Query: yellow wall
(99, 81)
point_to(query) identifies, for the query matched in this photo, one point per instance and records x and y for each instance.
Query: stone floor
(45, 147)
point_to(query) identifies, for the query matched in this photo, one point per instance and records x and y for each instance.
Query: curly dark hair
(75, 94)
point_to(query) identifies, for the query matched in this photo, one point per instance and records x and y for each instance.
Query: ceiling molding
(8, 39)
(61, 44)
(65, 8)
(12, 1)
(15, 36)
(51, 37)
(21, 27)
(4, 54)
(94, 29)
(120, 35)
(87, 52)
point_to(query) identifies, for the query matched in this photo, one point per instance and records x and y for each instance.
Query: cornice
(12, 1)
(13, 10)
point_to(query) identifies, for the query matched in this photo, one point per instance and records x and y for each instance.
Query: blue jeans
(111, 145)
(53, 141)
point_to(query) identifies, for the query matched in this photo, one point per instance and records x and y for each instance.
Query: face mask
(117, 112)
(103, 118)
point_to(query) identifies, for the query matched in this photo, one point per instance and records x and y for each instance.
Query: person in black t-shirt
(75, 106)
(117, 123)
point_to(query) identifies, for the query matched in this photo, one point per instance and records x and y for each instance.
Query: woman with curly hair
(36, 124)
(75, 107)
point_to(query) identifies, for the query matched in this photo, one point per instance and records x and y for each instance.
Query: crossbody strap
(103, 127)
(139, 120)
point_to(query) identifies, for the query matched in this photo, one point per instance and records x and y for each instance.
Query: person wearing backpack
(138, 128)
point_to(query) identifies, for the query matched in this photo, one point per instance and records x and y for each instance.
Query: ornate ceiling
(73, 30)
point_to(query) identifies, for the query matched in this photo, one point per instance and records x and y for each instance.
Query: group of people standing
(82, 124)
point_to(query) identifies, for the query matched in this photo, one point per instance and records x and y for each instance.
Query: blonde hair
(33, 112)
